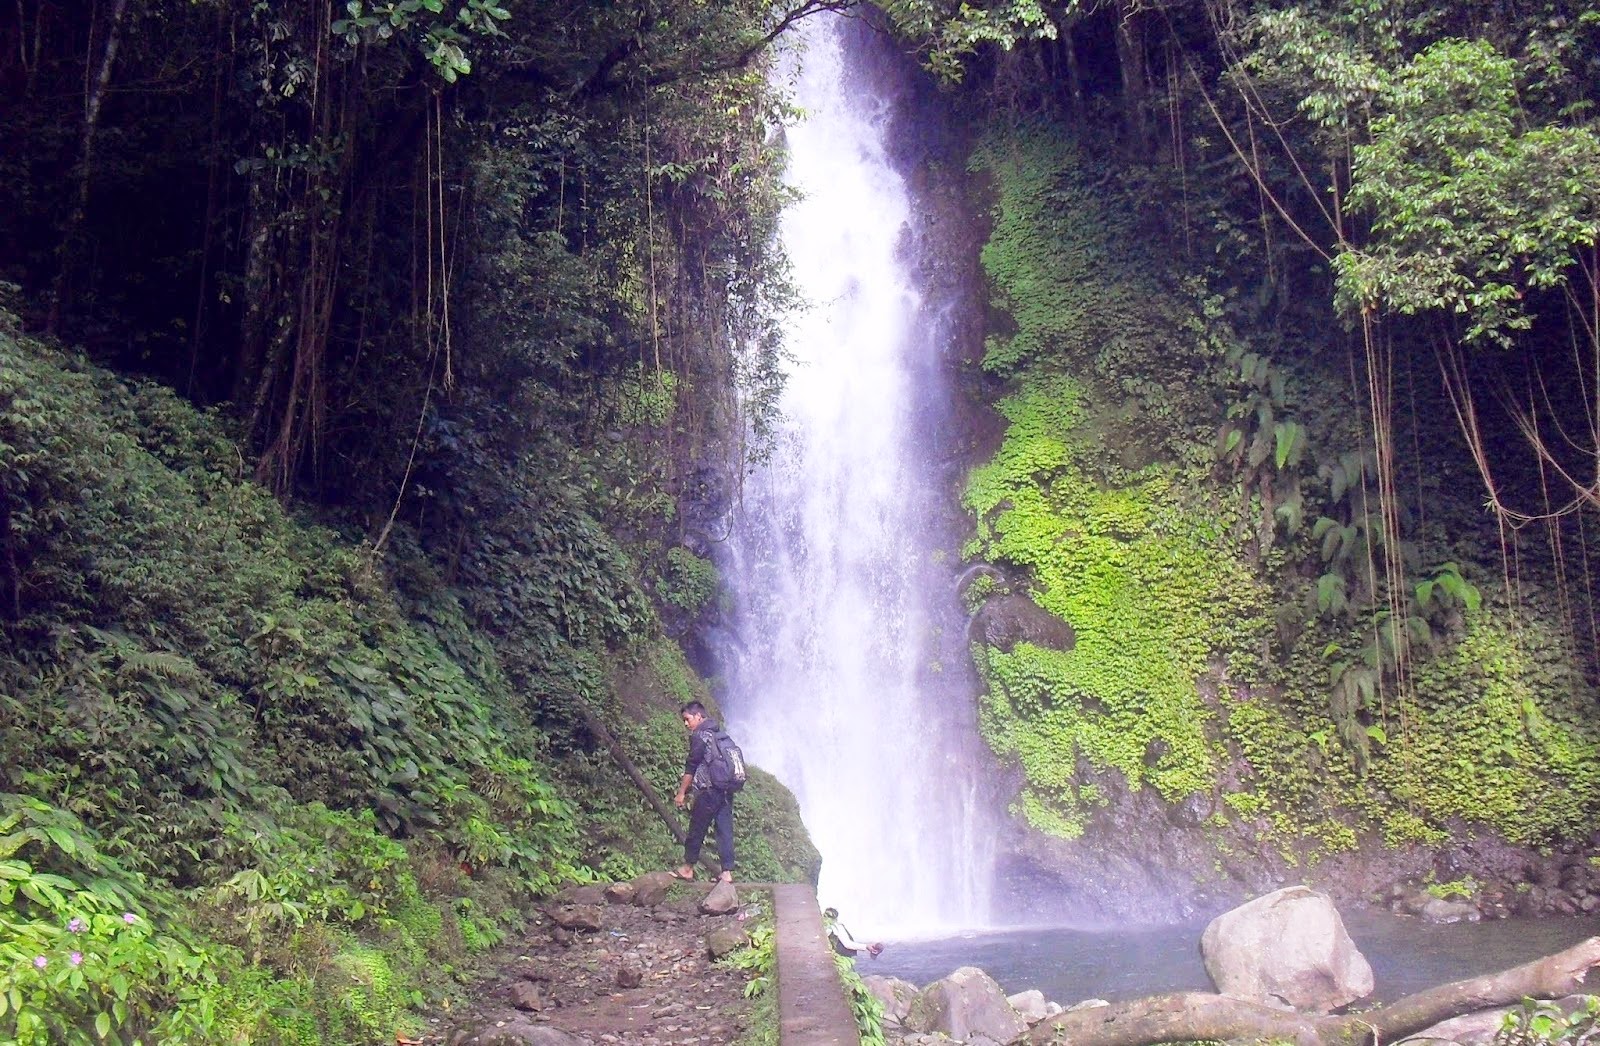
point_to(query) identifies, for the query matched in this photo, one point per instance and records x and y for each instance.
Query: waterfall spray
(849, 678)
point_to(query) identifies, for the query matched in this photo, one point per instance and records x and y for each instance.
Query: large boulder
(965, 1005)
(1288, 949)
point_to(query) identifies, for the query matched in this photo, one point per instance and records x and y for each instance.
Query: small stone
(621, 893)
(722, 899)
(631, 973)
(727, 937)
(526, 996)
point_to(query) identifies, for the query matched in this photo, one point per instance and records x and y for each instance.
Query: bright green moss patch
(1149, 584)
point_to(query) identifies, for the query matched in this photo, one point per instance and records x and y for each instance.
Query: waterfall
(849, 677)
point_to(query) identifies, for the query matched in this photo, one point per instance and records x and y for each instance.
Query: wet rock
(575, 917)
(722, 900)
(966, 1004)
(1441, 911)
(1005, 621)
(725, 939)
(1288, 949)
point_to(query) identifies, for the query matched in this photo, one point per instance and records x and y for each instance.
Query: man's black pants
(713, 804)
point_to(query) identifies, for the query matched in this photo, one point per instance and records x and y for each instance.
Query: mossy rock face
(1158, 661)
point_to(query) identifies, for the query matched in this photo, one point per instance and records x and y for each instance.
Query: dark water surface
(1407, 955)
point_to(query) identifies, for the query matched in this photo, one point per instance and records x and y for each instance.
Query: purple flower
(40, 961)
(77, 958)
(75, 926)
(129, 918)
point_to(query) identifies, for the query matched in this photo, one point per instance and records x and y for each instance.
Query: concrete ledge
(812, 1008)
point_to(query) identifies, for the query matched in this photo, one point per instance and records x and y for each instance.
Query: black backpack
(726, 766)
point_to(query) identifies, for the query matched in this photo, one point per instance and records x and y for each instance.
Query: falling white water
(836, 682)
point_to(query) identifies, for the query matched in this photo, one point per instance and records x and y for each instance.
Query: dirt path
(624, 972)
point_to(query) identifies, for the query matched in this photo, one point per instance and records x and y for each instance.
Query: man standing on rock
(711, 802)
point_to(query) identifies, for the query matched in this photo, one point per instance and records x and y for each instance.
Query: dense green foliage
(237, 738)
(322, 684)
(1163, 455)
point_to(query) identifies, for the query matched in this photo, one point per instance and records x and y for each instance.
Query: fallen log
(1189, 1016)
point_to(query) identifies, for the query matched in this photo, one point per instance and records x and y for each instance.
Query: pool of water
(1407, 955)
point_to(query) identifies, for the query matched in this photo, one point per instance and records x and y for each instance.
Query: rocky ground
(633, 962)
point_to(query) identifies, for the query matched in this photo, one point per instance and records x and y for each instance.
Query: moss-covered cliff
(1187, 482)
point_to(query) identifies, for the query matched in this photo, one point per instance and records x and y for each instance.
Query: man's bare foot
(684, 872)
(726, 877)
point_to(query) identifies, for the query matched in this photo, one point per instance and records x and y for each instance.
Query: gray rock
(650, 889)
(1469, 1029)
(725, 938)
(1481, 1027)
(525, 995)
(963, 1005)
(1087, 1004)
(580, 895)
(722, 900)
(1030, 1004)
(631, 973)
(1288, 949)
(575, 917)
(518, 1034)
(621, 893)
(895, 994)
(1439, 910)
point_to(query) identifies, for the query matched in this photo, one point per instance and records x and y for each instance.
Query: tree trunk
(1135, 78)
(1069, 52)
(10, 572)
(91, 124)
(598, 729)
(1189, 1016)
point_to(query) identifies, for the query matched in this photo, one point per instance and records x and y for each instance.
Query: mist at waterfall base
(847, 675)
(1069, 966)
